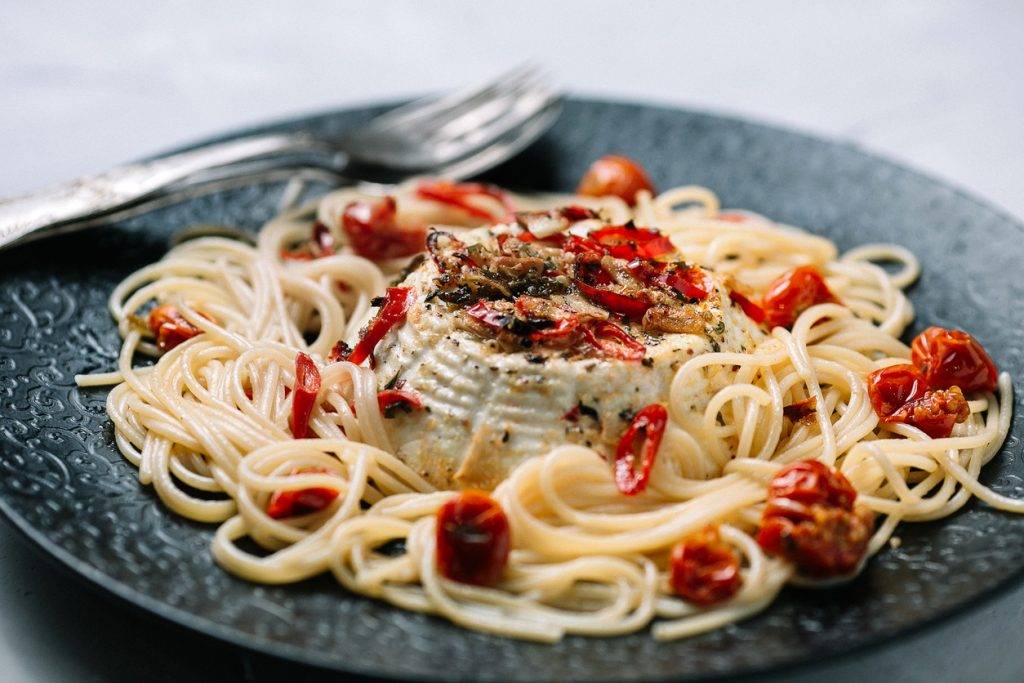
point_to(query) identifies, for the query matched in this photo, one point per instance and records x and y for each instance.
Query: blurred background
(936, 85)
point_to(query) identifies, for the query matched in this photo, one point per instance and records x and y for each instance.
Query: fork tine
(526, 107)
(425, 108)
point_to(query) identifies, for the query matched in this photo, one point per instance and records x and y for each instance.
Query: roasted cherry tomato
(892, 387)
(810, 520)
(949, 358)
(792, 293)
(752, 310)
(304, 393)
(703, 569)
(374, 232)
(473, 539)
(396, 304)
(934, 413)
(615, 175)
(302, 501)
(639, 443)
(460, 195)
(170, 327)
(612, 340)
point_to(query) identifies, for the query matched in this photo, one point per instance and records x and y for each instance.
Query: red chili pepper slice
(488, 316)
(170, 327)
(693, 283)
(617, 176)
(641, 441)
(949, 358)
(302, 501)
(374, 232)
(389, 399)
(632, 307)
(304, 393)
(459, 194)
(392, 313)
(792, 293)
(629, 242)
(753, 311)
(612, 340)
(703, 569)
(473, 539)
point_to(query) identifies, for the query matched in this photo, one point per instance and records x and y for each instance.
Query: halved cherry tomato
(752, 310)
(473, 539)
(892, 387)
(374, 232)
(459, 195)
(396, 304)
(703, 569)
(640, 442)
(304, 393)
(612, 340)
(792, 293)
(170, 327)
(615, 175)
(302, 501)
(934, 413)
(389, 399)
(950, 358)
(810, 519)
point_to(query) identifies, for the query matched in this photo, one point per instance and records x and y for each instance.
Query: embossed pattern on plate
(63, 483)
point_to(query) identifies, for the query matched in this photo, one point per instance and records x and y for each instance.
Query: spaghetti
(210, 424)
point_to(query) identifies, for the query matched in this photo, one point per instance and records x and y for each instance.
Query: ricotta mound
(493, 398)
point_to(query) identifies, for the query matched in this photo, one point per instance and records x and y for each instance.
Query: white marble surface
(937, 85)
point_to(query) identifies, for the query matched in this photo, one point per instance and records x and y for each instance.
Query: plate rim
(139, 602)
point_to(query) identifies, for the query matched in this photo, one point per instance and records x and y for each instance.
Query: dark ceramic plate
(64, 485)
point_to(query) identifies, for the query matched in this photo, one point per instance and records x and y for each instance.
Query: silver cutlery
(453, 136)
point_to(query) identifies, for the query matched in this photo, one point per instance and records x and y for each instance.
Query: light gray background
(938, 85)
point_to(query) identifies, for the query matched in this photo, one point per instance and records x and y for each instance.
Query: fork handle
(95, 195)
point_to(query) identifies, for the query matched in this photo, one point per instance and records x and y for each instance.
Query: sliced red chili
(753, 311)
(792, 293)
(340, 351)
(489, 317)
(629, 242)
(703, 569)
(460, 194)
(374, 232)
(304, 393)
(396, 304)
(950, 358)
(560, 324)
(473, 539)
(390, 399)
(800, 409)
(617, 176)
(639, 443)
(612, 340)
(170, 327)
(302, 501)
(892, 387)
(631, 307)
(692, 282)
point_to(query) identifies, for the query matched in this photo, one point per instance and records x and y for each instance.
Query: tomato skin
(373, 230)
(617, 176)
(792, 293)
(751, 309)
(304, 393)
(396, 304)
(473, 539)
(612, 340)
(703, 569)
(649, 425)
(893, 387)
(170, 327)
(949, 358)
(810, 520)
(934, 413)
(302, 501)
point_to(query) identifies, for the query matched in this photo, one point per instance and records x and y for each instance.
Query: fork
(453, 136)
